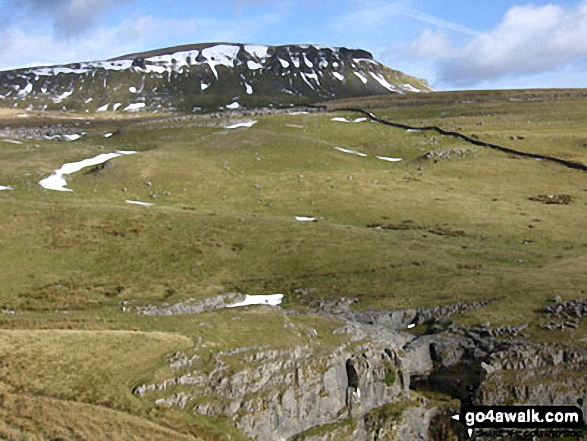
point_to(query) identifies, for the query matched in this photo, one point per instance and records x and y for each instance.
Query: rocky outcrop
(364, 389)
(278, 394)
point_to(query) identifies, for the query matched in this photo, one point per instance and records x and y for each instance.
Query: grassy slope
(223, 220)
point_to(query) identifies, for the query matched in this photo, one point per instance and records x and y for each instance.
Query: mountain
(206, 76)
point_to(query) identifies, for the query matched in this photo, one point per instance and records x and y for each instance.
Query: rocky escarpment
(279, 394)
(205, 76)
(373, 386)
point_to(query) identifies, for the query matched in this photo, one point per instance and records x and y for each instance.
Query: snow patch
(28, 89)
(257, 50)
(134, 107)
(116, 106)
(338, 119)
(132, 89)
(12, 141)
(410, 88)
(73, 137)
(233, 106)
(222, 54)
(61, 97)
(144, 204)
(108, 135)
(103, 108)
(308, 62)
(57, 182)
(381, 80)
(354, 152)
(284, 63)
(249, 89)
(305, 219)
(246, 124)
(253, 65)
(338, 76)
(270, 300)
(385, 158)
(361, 77)
(5, 188)
(205, 86)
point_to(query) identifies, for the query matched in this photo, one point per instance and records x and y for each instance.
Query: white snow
(385, 158)
(299, 112)
(28, 89)
(4, 187)
(253, 65)
(108, 135)
(57, 182)
(61, 97)
(234, 105)
(305, 219)
(134, 107)
(304, 77)
(12, 141)
(358, 120)
(247, 124)
(205, 86)
(295, 61)
(314, 76)
(102, 108)
(223, 54)
(257, 50)
(73, 137)
(354, 152)
(338, 76)
(414, 130)
(284, 63)
(410, 88)
(249, 89)
(132, 89)
(116, 106)
(413, 325)
(381, 80)
(308, 62)
(361, 77)
(295, 126)
(270, 300)
(144, 204)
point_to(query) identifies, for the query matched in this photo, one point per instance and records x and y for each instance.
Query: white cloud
(530, 40)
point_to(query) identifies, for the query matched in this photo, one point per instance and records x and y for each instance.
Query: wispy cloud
(438, 22)
(529, 40)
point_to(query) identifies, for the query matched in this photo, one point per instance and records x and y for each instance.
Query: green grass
(223, 221)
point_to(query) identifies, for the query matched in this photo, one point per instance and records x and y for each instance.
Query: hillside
(205, 76)
(442, 272)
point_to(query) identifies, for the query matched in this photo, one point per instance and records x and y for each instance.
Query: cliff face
(371, 386)
(279, 394)
(205, 76)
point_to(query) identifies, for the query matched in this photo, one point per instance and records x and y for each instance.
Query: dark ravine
(458, 135)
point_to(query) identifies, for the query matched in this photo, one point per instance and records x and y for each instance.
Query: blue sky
(454, 44)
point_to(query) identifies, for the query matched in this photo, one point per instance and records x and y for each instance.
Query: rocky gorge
(381, 383)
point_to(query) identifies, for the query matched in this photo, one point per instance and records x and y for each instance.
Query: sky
(478, 44)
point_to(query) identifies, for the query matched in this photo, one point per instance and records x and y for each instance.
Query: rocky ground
(381, 383)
